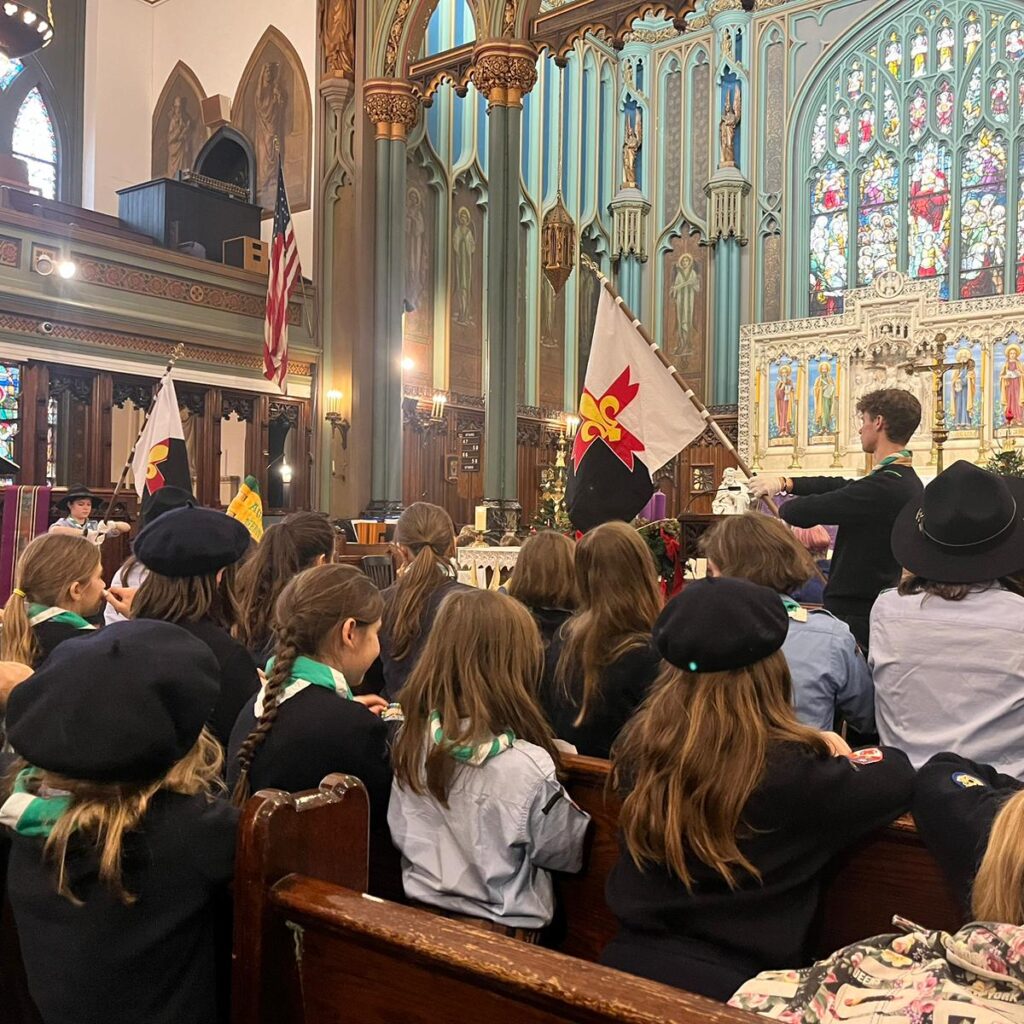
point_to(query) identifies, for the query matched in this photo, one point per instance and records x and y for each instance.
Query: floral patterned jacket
(923, 977)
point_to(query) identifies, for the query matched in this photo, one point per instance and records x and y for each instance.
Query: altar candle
(660, 502)
(757, 387)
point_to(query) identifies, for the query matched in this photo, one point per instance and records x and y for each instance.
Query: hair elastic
(19, 592)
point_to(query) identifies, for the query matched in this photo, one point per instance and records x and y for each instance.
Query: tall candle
(660, 502)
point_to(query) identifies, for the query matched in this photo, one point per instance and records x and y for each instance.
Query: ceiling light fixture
(25, 26)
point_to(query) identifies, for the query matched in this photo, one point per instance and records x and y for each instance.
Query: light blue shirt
(829, 674)
(949, 675)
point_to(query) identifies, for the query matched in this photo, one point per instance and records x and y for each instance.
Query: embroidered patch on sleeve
(869, 755)
(965, 781)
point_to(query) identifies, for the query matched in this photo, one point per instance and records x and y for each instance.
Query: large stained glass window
(915, 131)
(35, 141)
(10, 68)
(10, 393)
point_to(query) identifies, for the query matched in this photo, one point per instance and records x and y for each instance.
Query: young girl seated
(57, 583)
(476, 808)
(732, 808)
(121, 855)
(602, 662)
(544, 580)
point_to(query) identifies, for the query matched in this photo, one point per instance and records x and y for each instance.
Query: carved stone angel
(730, 121)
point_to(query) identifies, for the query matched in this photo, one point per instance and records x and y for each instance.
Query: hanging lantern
(25, 26)
(558, 245)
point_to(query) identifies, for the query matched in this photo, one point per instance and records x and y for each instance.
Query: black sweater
(954, 815)
(155, 960)
(864, 510)
(806, 809)
(49, 634)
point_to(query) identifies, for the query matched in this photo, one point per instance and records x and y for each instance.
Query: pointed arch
(178, 128)
(34, 142)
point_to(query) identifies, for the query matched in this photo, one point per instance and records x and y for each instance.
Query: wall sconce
(572, 424)
(437, 406)
(46, 261)
(333, 416)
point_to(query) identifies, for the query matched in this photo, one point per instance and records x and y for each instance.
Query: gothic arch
(184, 139)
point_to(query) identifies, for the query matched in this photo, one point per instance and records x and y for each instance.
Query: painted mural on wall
(685, 290)
(467, 311)
(178, 129)
(824, 374)
(962, 397)
(1007, 390)
(783, 395)
(420, 240)
(551, 361)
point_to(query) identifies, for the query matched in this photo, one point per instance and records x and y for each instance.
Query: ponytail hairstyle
(286, 549)
(693, 754)
(47, 568)
(480, 670)
(103, 813)
(428, 533)
(999, 886)
(310, 606)
(180, 599)
(619, 599)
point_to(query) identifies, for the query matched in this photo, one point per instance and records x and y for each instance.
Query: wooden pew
(887, 873)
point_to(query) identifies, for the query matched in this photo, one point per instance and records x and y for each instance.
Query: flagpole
(176, 354)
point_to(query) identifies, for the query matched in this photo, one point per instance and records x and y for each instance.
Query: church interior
(370, 242)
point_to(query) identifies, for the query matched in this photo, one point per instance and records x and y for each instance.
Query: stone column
(504, 70)
(392, 107)
(629, 243)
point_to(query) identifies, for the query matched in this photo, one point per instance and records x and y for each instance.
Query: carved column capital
(391, 105)
(504, 70)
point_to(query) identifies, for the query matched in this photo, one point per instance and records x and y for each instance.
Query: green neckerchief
(901, 458)
(477, 755)
(305, 672)
(29, 814)
(40, 613)
(796, 611)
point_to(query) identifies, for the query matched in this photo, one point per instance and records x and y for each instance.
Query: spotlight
(67, 269)
(408, 364)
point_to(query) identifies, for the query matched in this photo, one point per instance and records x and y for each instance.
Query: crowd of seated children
(601, 663)
(544, 579)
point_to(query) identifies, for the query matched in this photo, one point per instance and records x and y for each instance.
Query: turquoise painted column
(392, 107)
(504, 71)
(629, 247)
(727, 322)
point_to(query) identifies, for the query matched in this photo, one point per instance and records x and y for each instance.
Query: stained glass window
(878, 222)
(35, 142)
(841, 131)
(944, 108)
(946, 45)
(1015, 41)
(918, 114)
(1000, 98)
(51, 441)
(855, 82)
(919, 53)
(865, 127)
(830, 231)
(10, 68)
(929, 214)
(972, 102)
(10, 393)
(818, 140)
(894, 55)
(890, 118)
(983, 217)
(972, 36)
(1020, 227)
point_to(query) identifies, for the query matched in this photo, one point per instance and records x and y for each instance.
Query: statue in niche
(271, 111)
(464, 244)
(338, 32)
(732, 497)
(730, 121)
(727, 44)
(631, 147)
(180, 138)
(685, 285)
(415, 237)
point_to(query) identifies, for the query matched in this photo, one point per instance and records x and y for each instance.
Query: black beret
(165, 499)
(122, 704)
(719, 624)
(191, 542)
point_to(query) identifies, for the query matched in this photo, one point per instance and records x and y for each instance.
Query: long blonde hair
(544, 576)
(998, 893)
(106, 812)
(47, 568)
(428, 532)
(692, 756)
(619, 600)
(479, 669)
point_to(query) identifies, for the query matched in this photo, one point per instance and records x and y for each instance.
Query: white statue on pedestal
(732, 498)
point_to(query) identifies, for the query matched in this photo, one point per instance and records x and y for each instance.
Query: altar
(800, 380)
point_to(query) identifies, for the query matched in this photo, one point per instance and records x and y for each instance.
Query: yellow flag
(247, 507)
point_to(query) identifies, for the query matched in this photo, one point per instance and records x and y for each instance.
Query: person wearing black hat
(79, 503)
(947, 650)
(121, 856)
(191, 554)
(731, 808)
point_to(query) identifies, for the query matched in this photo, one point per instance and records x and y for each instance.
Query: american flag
(284, 268)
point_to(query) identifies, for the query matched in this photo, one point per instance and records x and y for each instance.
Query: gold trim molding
(391, 105)
(504, 70)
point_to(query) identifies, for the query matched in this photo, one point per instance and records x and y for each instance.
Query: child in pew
(58, 584)
(544, 580)
(305, 721)
(732, 809)
(602, 662)
(122, 852)
(476, 807)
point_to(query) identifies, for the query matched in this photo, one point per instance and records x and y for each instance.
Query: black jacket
(156, 960)
(549, 622)
(864, 510)
(624, 684)
(806, 809)
(49, 634)
(954, 815)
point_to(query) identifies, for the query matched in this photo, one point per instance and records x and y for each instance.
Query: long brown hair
(480, 669)
(47, 568)
(309, 607)
(911, 584)
(106, 812)
(544, 576)
(758, 548)
(998, 893)
(188, 598)
(429, 534)
(692, 756)
(619, 600)
(286, 549)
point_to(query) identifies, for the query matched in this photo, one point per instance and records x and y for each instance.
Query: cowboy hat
(968, 527)
(76, 491)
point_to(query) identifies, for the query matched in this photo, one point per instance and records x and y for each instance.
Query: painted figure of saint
(824, 400)
(842, 132)
(866, 126)
(685, 285)
(919, 52)
(944, 109)
(180, 137)
(894, 55)
(271, 105)
(464, 244)
(1015, 41)
(946, 45)
(972, 36)
(415, 233)
(964, 384)
(1010, 386)
(784, 394)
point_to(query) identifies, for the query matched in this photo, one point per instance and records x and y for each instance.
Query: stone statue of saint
(727, 128)
(271, 105)
(464, 244)
(685, 285)
(732, 497)
(631, 146)
(180, 138)
(338, 32)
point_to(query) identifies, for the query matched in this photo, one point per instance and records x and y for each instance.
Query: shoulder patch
(869, 755)
(797, 614)
(965, 781)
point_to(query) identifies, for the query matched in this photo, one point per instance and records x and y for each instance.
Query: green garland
(652, 535)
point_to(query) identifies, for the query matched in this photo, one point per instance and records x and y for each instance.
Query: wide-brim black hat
(77, 491)
(968, 527)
